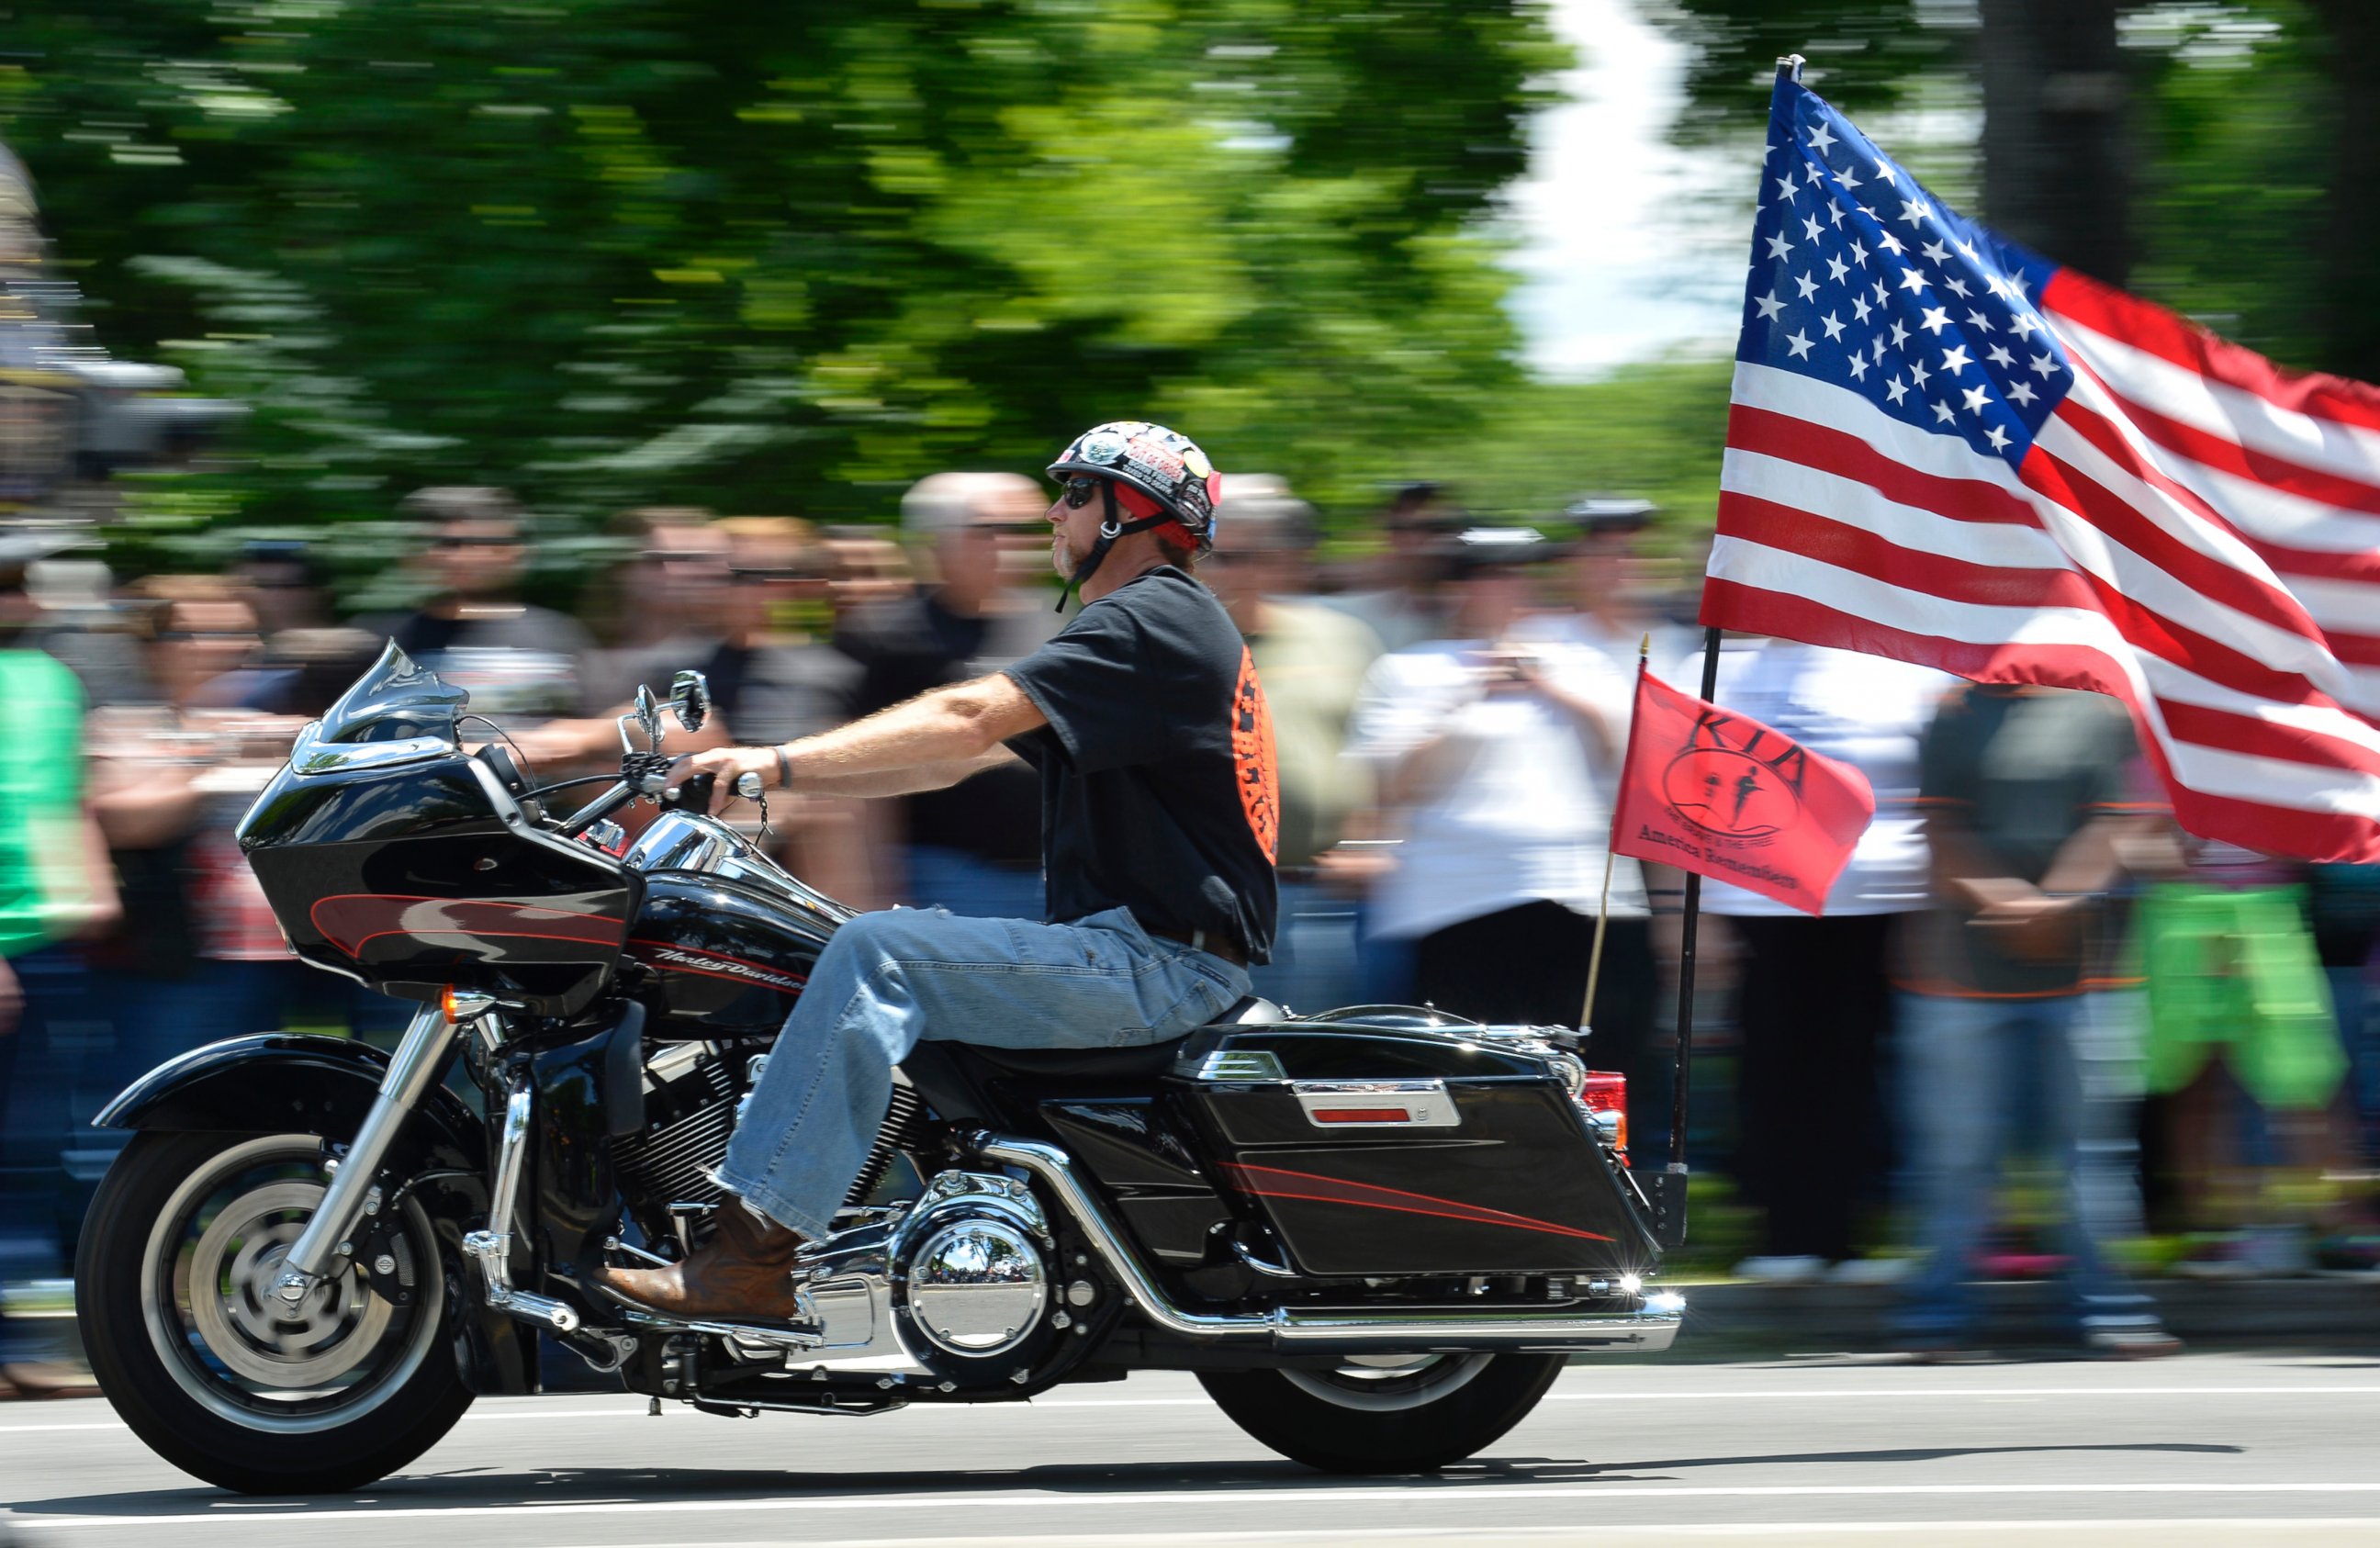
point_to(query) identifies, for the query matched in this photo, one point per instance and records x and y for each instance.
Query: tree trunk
(2056, 149)
(2349, 320)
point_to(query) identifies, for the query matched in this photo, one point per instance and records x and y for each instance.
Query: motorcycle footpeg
(784, 1334)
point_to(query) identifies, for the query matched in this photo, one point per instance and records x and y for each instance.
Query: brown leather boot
(744, 1273)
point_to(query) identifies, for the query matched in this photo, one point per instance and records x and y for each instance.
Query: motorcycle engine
(972, 1259)
(691, 1092)
(694, 1095)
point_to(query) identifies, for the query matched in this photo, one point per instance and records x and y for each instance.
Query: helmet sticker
(1161, 464)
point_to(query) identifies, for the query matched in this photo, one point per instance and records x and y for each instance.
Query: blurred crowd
(2036, 1025)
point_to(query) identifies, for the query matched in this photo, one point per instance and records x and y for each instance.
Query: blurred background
(574, 343)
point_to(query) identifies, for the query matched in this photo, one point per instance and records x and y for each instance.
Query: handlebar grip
(694, 793)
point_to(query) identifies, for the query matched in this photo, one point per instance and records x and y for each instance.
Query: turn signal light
(1605, 1098)
(464, 1005)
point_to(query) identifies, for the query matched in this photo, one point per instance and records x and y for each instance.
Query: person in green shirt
(50, 889)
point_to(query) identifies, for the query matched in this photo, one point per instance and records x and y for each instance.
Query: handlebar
(692, 794)
(640, 774)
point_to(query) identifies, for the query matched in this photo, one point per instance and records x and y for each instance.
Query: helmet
(1162, 465)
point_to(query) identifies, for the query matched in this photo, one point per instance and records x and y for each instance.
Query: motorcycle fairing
(412, 879)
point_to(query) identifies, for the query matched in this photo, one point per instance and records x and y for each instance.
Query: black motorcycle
(1374, 1234)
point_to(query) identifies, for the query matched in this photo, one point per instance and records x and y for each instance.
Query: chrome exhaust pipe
(1648, 1330)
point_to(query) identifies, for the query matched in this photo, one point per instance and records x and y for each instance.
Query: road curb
(2244, 1313)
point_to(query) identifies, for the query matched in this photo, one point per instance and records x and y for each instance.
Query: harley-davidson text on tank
(678, 959)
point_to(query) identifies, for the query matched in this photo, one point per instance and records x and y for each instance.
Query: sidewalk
(1730, 1319)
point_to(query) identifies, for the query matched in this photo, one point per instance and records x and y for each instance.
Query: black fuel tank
(727, 957)
(1403, 1147)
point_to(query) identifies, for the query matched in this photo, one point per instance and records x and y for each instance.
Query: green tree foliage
(2255, 136)
(785, 257)
(1654, 429)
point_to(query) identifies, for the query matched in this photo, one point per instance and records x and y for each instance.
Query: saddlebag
(1397, 1143)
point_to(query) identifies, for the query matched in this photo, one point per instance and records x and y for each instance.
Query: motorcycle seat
(1143, 1062)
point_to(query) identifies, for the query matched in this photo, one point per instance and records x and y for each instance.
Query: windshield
(395, 701)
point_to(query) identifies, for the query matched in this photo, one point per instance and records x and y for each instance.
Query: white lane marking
(495, 1414)
(2227, 1524)
(1972, 1393)
(1471, 1495)
(1608, 1395)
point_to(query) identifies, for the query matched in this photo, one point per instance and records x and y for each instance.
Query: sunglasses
(474, 541)
(1079, 490)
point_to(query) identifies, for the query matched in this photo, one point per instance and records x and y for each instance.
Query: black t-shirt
(782, 690)
(912, 645)
(1158, 788)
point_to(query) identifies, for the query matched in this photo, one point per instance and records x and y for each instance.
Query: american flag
(1946, 449)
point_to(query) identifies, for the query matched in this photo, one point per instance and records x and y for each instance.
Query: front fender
(287, 1083)
(281, 1082)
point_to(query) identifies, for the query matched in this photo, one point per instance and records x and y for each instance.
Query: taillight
(1605, 1098)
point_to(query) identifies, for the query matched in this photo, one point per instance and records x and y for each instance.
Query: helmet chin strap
(1110, 529)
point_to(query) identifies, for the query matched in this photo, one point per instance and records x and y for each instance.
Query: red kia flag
(1707, 790)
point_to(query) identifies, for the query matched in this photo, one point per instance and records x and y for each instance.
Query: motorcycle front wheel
(1385, 1413)
(174, 1292)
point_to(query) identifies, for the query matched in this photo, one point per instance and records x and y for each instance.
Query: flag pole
(1686, 954)
(1788, 67)
(1595, 956)
(1610, 855)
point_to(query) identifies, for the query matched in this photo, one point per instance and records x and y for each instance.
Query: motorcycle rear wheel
(1377, 1415)
(173, 1291)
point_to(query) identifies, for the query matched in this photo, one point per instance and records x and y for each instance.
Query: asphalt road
(2212, 1448)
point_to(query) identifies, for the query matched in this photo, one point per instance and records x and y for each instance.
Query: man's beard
(1062, 559)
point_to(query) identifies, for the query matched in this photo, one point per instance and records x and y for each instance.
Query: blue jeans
(968, 884)
(1968, 1066)
(887, 980)
(35, 1060)
(1316, 956)
(2350, 997)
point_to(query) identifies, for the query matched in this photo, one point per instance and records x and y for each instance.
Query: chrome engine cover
(969, 1261)
(978, 1286)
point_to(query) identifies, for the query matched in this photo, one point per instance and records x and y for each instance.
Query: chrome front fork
(323, 1248)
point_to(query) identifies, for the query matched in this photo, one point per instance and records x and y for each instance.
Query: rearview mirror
(690, 699)
(648, 715)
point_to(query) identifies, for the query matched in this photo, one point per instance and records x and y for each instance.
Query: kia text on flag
(1714, 792)
(1945, 449)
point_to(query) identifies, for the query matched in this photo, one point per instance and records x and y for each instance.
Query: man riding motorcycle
(1160, 816)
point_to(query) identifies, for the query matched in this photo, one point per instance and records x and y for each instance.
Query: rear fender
(279, 1082)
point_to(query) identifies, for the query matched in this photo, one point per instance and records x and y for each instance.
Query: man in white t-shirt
(1495, 756)
(1814, 997)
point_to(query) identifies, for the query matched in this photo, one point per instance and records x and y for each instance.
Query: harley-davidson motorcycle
(1374, 1234)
